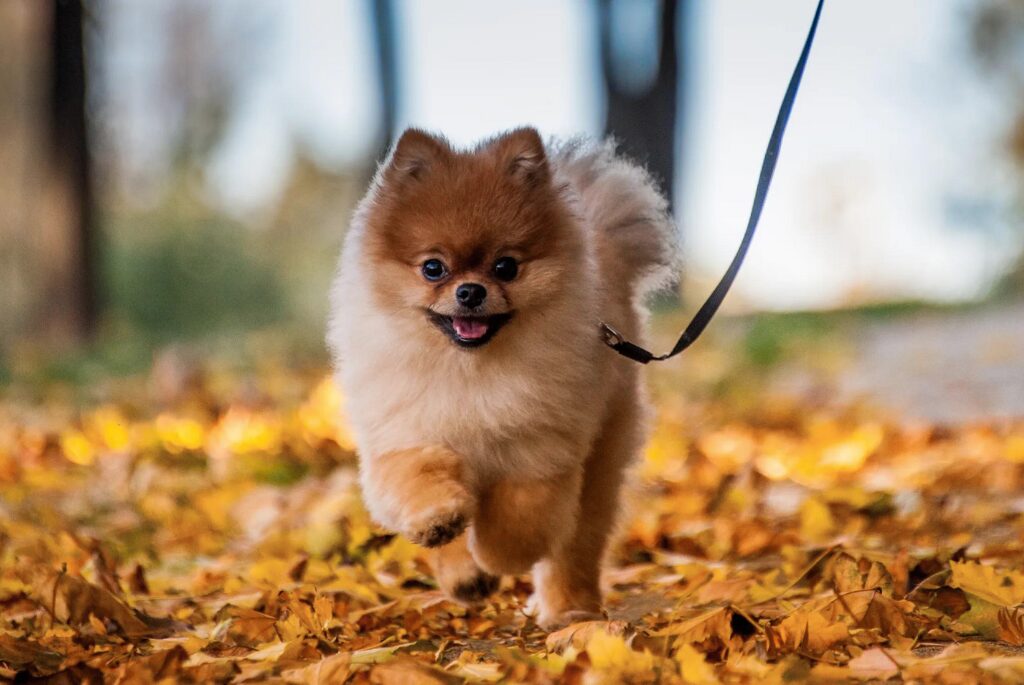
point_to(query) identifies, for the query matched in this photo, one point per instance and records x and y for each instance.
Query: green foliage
(170, 277)
(771, 336)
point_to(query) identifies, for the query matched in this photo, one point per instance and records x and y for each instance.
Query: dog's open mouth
(470, 331)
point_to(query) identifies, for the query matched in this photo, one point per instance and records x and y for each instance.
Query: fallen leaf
(693, 667)
(73, 600)
(410, 672)
(20, 654)
(578, 634)
(1003, 588)
(331, 669)
(873, 664)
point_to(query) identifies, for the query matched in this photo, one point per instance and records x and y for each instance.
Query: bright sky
(889, 183)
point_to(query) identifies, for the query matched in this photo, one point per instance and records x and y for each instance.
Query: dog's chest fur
(501, 418)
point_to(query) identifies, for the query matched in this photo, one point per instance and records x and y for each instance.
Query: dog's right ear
(414, 153)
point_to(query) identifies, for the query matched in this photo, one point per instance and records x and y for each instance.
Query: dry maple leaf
(331, 669)
(20, 653)
(1011, 625)
(1003, 588)
(578, 634)
(73, 600)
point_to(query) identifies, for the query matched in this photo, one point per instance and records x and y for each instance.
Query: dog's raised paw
(440, 531)
(474, 589)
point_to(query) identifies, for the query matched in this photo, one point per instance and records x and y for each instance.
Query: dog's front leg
(419, 492)
(519, 521)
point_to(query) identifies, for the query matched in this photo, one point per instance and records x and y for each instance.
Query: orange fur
(522, 438)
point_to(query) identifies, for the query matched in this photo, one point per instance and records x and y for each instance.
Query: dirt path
(942, 367)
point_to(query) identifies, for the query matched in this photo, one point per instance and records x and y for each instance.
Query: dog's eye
(434, 270)
(506, 268)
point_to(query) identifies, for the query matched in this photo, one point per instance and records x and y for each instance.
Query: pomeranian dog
(492, 422)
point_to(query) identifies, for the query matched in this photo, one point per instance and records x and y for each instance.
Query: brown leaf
(715, 623)
(332, 669)
(819, 624)
(137, 581)
(72, 600)
(851, 574)
(578, 634)
(1011, 625)
(410, 672)
(244, 627)
(21, 654)
(298, 570)
(950, 601)
(813, 632)
(155, 667)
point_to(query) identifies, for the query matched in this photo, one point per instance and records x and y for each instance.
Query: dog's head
(470, 240)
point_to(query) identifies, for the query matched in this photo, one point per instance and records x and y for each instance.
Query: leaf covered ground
(202, 523)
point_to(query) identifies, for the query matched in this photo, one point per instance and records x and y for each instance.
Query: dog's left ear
(522, 154)
(414, 154)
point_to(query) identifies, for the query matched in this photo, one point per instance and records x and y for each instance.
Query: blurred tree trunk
(66, 219)
(22, 31)
(382, 13)
(997, 38)
(643, 116)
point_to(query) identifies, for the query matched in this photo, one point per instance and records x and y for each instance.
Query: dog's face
(470, 241)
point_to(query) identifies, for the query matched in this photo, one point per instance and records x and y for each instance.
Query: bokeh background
(832, 488)
(179, 173)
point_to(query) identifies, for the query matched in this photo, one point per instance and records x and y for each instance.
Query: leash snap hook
(611, 337)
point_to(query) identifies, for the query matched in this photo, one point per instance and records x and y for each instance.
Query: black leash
(614, 339)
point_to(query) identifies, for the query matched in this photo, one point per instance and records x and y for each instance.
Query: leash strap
(615, 340)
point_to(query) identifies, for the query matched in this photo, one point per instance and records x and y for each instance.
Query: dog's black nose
(471, 294)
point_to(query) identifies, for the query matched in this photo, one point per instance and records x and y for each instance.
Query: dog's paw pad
(477, 588)
(441, 531)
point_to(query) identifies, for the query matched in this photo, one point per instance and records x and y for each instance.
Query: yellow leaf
(271, 570)
(1015, 448)
(611, 653)
(693, 667)
(111, 426)
(816, 523)
(578, 634)
(715, 622)
(77, 448)
(1003, 588)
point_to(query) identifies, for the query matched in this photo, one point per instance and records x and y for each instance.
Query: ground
(201, 522)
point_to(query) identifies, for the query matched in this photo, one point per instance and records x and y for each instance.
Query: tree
(643, 112)
(997, 36)
(382, 13)
(67, 221)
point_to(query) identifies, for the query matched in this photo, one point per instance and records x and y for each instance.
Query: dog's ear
(521, 152)
(414, 153)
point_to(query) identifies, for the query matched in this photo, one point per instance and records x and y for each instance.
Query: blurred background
(182, 171)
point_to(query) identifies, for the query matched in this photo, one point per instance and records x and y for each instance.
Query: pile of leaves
(204, 525)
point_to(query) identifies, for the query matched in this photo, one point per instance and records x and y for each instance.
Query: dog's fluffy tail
(637, 241)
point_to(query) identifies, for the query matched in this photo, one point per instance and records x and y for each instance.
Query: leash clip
(612, 338)
(615, 340)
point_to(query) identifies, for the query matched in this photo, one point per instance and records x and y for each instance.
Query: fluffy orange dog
(493, 424)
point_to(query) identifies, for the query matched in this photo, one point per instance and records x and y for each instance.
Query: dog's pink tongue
(469, 329)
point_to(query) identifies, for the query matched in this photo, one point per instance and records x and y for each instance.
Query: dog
(493, 424)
